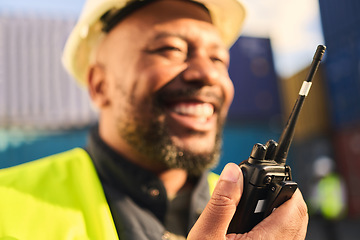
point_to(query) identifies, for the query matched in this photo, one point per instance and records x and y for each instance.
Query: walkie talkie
(267, 179)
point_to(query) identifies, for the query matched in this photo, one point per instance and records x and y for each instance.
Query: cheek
(155, 77)
(229, 92)
(147, 82)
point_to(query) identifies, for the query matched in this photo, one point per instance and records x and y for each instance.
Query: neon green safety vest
(332, 204)
(58, 197)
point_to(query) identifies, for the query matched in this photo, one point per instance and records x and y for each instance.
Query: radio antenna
(288, 133)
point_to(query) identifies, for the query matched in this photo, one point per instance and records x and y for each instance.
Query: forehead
(167, 9)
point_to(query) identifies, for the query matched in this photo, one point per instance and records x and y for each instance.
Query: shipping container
(239, 139)
(340, 21)
(256, 84)
(35, 90)
(314, 117)
(346, 144)
(343, 83)
(339, 17)
(305, 153)
(18, 146)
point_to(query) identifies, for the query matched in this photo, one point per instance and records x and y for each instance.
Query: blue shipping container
(340, 20)
(343, 80)
(18, 147)
(256, 85)
(239, 140)
(339, 17)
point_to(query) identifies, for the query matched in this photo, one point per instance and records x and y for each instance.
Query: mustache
(165, 95)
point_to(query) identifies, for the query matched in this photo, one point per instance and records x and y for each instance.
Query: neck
(174, 180)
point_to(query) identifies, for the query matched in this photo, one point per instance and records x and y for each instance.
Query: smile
(198, 110)
(196, 116)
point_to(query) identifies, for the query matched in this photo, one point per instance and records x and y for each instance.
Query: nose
(201, 70)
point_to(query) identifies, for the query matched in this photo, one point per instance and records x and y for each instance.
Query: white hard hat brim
(227, 15)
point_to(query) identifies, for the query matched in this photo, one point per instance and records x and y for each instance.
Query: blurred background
(43, 111)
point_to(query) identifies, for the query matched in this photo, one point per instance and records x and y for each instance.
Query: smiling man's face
(166, 86)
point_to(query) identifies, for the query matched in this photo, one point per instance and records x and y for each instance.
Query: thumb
(215, 219)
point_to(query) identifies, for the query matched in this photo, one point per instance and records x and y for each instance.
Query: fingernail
(231, 173)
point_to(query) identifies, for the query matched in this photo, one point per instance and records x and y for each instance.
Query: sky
(293, 26)
(70, 6)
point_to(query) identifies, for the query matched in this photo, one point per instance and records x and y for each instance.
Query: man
(157, 72)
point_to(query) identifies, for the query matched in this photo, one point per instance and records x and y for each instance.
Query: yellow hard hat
(227, 15)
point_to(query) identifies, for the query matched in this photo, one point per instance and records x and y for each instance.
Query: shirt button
(154, 192)
(199, 211)
(165, 236)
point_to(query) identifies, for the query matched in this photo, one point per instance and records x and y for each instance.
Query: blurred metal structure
(257, 95)
(35, 90)
(340, 20)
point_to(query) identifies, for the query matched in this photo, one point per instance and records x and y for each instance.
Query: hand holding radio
(267, 179)
(258, 199)
(289, 221)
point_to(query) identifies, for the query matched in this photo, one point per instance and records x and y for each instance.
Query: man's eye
(219, 60)
(169, 48)
(170, 52)
(165, 50)
(216, 59)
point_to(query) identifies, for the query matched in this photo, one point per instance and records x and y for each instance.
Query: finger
(289, 221)
(214, 221)
(302, 232)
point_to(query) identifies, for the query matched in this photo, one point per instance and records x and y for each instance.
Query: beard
(152, 139)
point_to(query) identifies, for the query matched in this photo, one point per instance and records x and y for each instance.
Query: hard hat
(227, 15)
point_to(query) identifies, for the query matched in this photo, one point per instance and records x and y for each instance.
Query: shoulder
(61, 192)
(51, 165)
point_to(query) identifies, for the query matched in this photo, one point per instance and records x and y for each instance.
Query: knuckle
(221, 204)
(260, 233)
(302, 210)
(220, 200)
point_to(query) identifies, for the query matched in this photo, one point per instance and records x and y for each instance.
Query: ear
(98, 86)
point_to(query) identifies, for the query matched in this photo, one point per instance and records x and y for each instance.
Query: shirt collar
(144, 187)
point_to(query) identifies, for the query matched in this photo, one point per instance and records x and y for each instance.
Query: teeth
(202, 110)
